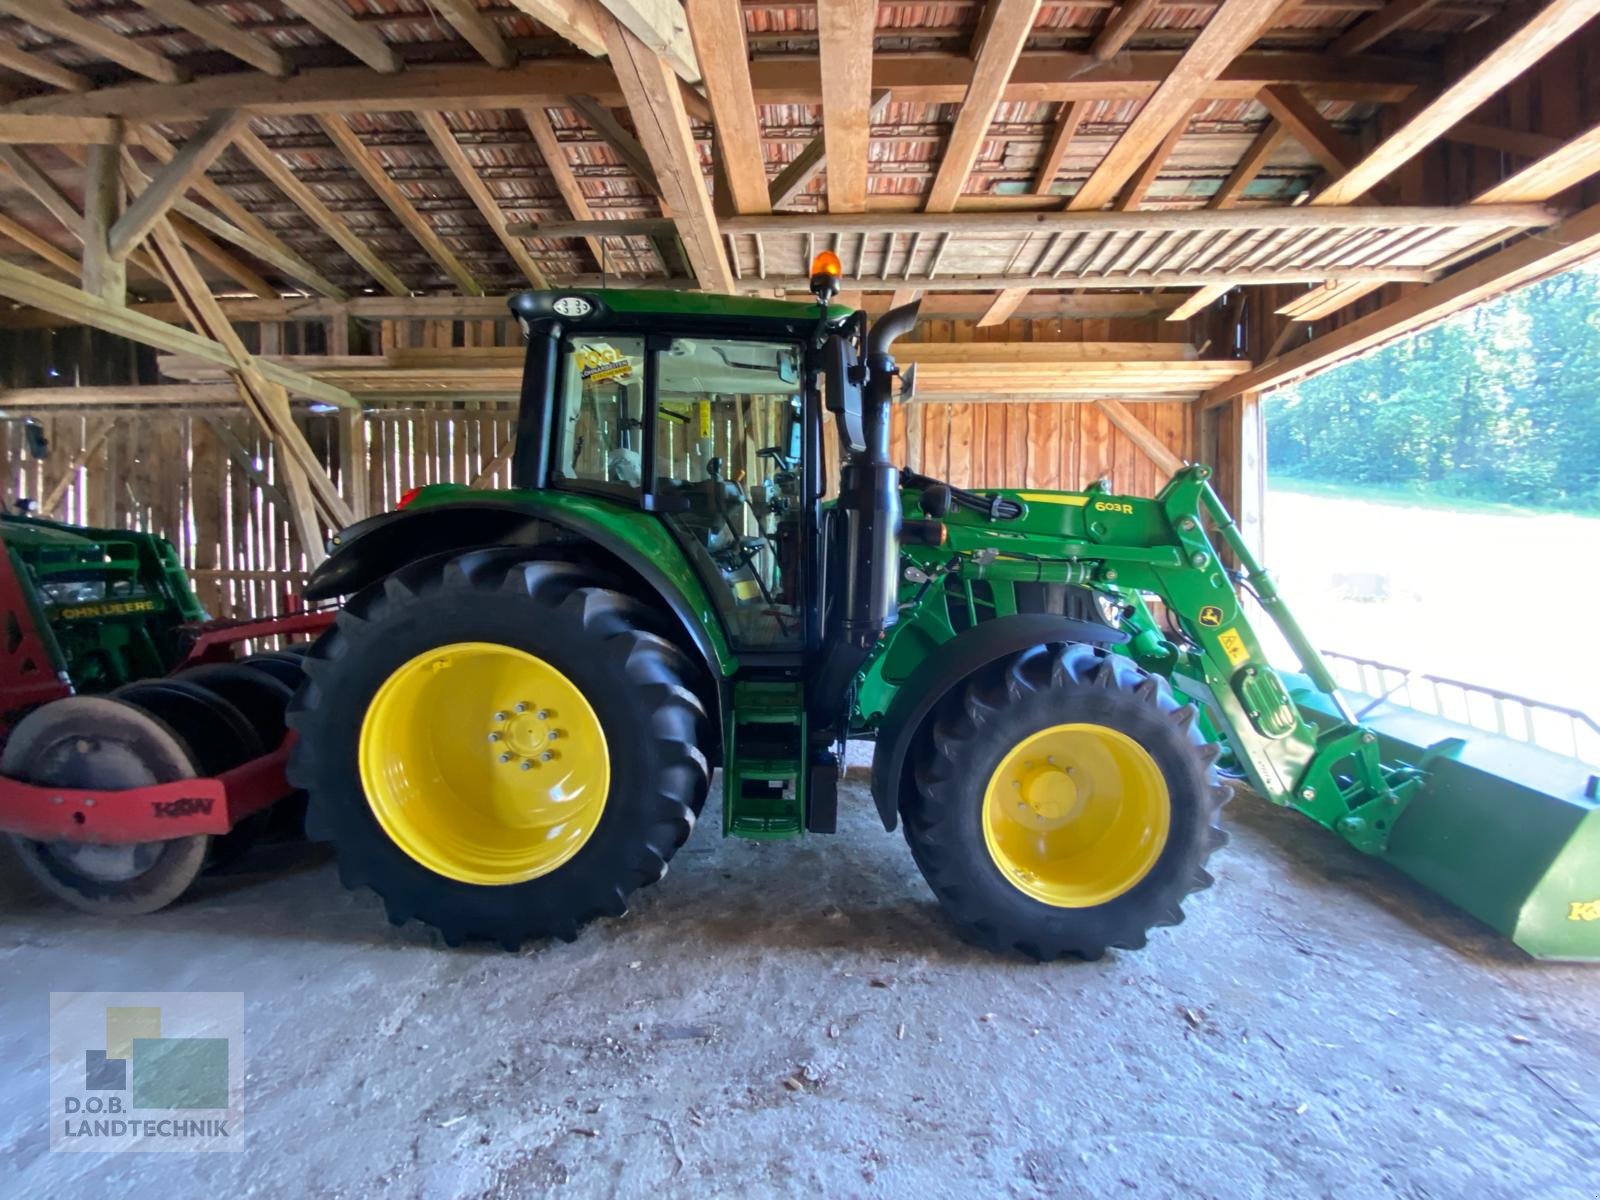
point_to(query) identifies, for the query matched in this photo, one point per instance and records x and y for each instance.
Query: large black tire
(974, 729)
(636, 682)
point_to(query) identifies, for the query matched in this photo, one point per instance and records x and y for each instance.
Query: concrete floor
(799, 1020)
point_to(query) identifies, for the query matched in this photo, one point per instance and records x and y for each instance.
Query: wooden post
(104, 274)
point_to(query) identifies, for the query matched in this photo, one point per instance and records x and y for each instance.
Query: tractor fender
(945, 669)
(378, 546)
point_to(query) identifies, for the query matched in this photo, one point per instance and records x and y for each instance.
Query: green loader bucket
(1507, 831)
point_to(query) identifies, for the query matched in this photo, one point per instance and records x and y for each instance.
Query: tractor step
(763, 772)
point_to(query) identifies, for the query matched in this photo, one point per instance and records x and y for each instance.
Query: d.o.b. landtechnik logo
(146, 1071)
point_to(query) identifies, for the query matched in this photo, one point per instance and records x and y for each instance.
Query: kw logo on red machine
(1584, 910)
(1211, 616)
(111, 608)
(185, 806)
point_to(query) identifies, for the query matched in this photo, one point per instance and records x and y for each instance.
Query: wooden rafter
(914, 78)
(718, 30)
(1236, 24)
(45, 70)
(444, 141)
(333, 20)
(53, 16)
(17, 130)
(627, 147)
(278, 173)
(1121, 26)
(813, 157)
(1545, 29)
(1335, 152)
(846, 29)
(40, 246)
(656, 104)
(1551, 175)
(1531, 259)
(229, 220)
(1066, 128)
(220, 257)
(555, 161)
(478, 29)
(1006, 26)
(1379, 25)
(206, 25)
(661, 27)
(574, 22)
(366, 164)
(174, 179)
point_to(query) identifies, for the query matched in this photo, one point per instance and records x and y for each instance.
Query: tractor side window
(727, 439)
(601, 434)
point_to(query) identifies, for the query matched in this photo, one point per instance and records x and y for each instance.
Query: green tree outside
(1500, 404)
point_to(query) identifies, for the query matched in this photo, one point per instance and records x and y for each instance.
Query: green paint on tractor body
(107, 602)
(1520, 852)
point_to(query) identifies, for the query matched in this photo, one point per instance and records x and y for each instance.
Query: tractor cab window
(601, 438)
(727, 444)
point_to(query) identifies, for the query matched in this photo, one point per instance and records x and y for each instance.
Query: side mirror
(908, 384)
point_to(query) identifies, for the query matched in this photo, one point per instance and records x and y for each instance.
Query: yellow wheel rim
(484, 763)
(1076, 815)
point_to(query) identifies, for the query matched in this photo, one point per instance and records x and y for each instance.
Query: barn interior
(255, 258)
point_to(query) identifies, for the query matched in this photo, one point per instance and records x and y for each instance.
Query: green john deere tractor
(513, 723)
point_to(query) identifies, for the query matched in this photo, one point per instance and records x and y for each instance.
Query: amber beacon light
(825, 272)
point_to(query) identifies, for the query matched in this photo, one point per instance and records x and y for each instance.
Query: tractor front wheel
(1064, 803)
(498, 746)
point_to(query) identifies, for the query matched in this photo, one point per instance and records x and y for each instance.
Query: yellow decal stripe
(1053, 498)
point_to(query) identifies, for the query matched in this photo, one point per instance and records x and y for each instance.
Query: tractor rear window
(601, 439)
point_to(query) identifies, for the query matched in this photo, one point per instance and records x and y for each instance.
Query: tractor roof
(644, 303)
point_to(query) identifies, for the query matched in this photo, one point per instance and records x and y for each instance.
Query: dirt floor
(798, 1019)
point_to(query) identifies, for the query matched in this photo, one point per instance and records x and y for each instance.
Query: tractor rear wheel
(1064, 803)
(498, 746)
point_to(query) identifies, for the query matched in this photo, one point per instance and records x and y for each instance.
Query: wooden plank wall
(207, 480)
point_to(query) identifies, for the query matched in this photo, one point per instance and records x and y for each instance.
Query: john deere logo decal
(1211, 616)
(1584, 910)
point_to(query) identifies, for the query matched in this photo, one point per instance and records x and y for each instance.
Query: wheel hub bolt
(551, 736)
(505, 758)
(546, 756)
(527, 764)
(522, 708)
(543, 714)
(494, 737)
(501, 716)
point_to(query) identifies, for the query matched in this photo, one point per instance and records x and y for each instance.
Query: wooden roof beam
(20, 130)
(393, 196)
(813, 157)
(444, 141)
(656, 103)
(660, 26)
(555, 161)
(45, 70)
(173, 180)
(39, 246)
(914, 78)
(1121, 26)
(1550, 25)
(1529, 260)
(718, 30)
(1335, 152)
(1551, 175)
(333, 20)
(845, 29)
(1236, 24)
(628, 149)
(210, 27)
(1379, 25)
(236, 224)
(479, 30)
(1068, 118)
(280, 176)
(1007, 24)
(53, 16)
(574, 22)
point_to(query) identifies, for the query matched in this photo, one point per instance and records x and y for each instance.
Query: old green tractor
(514, 721)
